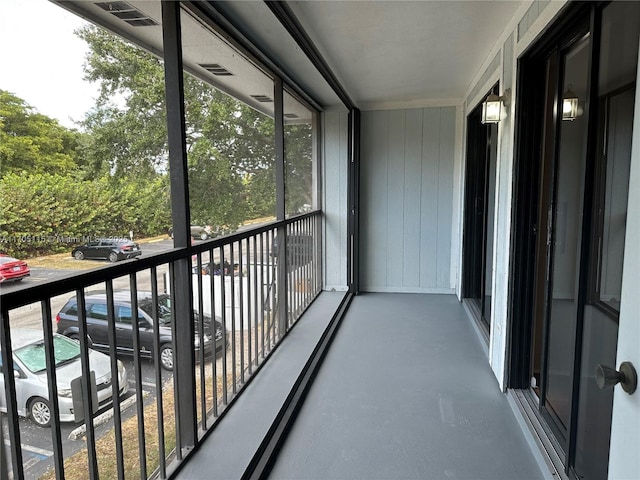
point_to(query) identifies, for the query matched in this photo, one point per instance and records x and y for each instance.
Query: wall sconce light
(494, 108)
(569, 105)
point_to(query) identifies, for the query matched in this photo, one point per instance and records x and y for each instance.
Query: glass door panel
(567, 236)
(616, 94)
(492, 160)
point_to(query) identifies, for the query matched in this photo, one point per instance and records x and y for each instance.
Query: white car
(30, 370)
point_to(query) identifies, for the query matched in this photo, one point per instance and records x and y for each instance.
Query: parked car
(30, 371)
(217, 269)
(97, 325)
(197, 232)
(300, 247)
(12, 269)
(107, 248)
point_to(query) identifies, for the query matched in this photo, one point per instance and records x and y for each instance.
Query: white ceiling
(386, 52)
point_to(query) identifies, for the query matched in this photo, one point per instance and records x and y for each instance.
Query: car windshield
(164, 309)
(33, 356)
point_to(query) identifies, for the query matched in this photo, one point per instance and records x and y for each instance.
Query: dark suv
(112, 249)
(97, 325)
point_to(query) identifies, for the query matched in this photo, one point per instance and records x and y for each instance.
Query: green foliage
(30, 141)
(57, 184)
(44, 213)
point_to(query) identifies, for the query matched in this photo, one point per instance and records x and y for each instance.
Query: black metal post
(281, 282)
(353, 264)
(181, 287)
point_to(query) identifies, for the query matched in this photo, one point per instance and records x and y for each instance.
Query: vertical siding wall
(334, 199)
(406, 200)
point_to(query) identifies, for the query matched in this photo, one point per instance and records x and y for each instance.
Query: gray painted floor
(226, 453)
(406, 392)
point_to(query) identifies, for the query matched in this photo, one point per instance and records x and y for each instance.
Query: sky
(41, 59)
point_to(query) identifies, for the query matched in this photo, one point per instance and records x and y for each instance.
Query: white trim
(551, 10)
(457, 205)
(497, 46)
(495, 77)
(410, 104)
(439, 291)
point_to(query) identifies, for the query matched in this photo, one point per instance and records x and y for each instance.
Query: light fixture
(569, 105)
(494, 108)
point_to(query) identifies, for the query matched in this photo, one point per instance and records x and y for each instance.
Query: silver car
(29, 366)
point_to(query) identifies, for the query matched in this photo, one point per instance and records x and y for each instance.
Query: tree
(230, 146)
(33, 142)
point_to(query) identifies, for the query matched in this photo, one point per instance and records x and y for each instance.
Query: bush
(45, 213)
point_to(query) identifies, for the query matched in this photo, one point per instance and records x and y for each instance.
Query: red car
(12, 269)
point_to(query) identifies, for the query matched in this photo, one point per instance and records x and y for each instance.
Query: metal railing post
(181, 283)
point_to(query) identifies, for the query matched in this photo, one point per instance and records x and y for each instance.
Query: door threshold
(550, 453)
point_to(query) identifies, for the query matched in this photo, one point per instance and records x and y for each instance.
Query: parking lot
(36, 442)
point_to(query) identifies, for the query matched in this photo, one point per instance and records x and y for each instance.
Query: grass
(75, 466)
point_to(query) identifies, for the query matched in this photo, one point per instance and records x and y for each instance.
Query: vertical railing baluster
(248, 302)
(115, 383)
(232, 276)
(308, 259)
(162, 456)
(271, 289)
(49, 351)
(10, 388)
(87, 396)
(223, 307)
(135, 328)
(214, 357)
(241, 296)
(256, 297)
(262, 286)
(201, 352)
(176, 402)
(291, 284)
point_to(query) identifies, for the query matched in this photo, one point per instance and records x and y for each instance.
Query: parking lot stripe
(36, 450)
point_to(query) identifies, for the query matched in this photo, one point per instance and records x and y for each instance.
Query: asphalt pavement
(37, 442)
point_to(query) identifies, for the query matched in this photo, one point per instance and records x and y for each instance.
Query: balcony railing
(248, 290)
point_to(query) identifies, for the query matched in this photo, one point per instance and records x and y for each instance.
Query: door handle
(607, 377)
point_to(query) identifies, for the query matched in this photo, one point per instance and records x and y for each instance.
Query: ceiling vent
(128, 13)
(262, 98)
(216, 69)
(291, 115)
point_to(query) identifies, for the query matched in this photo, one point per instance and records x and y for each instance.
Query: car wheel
(204, 236)
(166, 356)
(40, 412)
(113, 257)
(78, 255)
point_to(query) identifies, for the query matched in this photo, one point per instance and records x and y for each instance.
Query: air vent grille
(128, 13)
(216, 69)
(262, 98)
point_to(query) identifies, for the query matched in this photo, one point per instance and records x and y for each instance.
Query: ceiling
(384, 53)
(387, 53)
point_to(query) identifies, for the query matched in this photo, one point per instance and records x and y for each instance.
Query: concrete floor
(406, 391)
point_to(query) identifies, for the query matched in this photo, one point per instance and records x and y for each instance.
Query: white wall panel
(407, 165)
(334, 176)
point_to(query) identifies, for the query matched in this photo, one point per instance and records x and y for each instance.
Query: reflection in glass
(566, 246)
(616, 91)
(619, 126)
(300, 160)
(230, 138)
